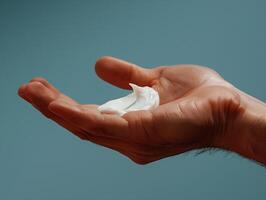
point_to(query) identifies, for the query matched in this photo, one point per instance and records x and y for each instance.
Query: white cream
(142, 98)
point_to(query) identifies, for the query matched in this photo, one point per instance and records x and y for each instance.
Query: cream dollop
(142, 98)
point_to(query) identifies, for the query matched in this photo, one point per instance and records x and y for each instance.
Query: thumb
(120, 73)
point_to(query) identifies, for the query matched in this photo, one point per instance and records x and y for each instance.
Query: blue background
(61, 40)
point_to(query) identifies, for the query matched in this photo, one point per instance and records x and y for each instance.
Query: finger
(53, 89)
(39, 93)
(90, 119)
(120, 73)
(39, 96)
(45, 83)
(22, 94)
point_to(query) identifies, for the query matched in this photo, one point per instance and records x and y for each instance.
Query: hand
(198, 109)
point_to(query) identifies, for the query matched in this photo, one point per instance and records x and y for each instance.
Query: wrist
(248, 134)
(255, 124)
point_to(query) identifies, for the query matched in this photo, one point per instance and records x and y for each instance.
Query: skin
(198, 109)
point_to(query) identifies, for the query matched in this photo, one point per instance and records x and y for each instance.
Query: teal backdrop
(61, 40)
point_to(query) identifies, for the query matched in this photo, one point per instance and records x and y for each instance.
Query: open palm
(197, 106)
